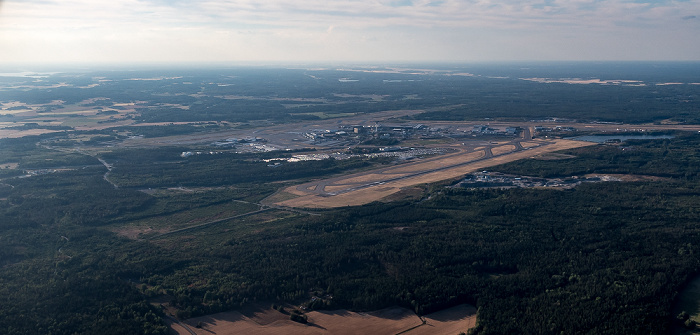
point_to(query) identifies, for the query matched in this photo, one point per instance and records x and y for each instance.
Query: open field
(314, 195)
(138, 228)
(11, 133)
(503, 149)
(388, 321)
(450, 321)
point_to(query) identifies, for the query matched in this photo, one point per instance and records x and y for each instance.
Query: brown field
(502, 149)
(280, 195)
(5, 133)
(379, 191)
(529, 144)
(450, 321)
(387, 321)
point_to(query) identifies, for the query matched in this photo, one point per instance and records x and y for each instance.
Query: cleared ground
(387, 321)
(503, 149)
(139, 228)
(362, 188)
(450, 321)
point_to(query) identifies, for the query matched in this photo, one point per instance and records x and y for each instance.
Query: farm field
(388, 321)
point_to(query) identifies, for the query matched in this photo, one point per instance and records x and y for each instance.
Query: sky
(336, 31)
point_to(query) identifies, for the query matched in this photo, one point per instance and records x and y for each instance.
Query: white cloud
(149, 30)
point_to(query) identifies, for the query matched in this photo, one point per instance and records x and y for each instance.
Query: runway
(365, 187)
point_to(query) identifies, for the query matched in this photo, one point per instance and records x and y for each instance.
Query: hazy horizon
(347, 31)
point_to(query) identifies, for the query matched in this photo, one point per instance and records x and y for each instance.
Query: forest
(476, 92)
(601, 258)
(93, 234)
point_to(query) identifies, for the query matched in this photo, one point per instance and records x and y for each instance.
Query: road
(106, 175)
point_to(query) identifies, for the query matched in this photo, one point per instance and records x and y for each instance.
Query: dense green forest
(285, 95)
(86, 250)
(602, 258)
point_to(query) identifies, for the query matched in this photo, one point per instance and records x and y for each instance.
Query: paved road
(106, 175)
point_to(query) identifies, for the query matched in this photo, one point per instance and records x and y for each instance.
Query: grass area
(231, 231)
(183, 219)
(280, 196)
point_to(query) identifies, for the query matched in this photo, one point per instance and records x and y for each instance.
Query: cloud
(313, 14)
(248, 28)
